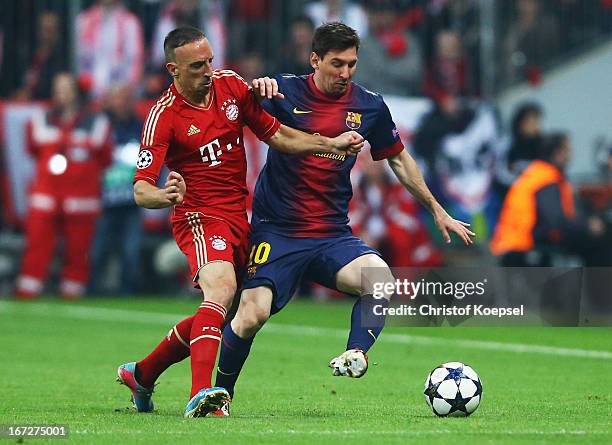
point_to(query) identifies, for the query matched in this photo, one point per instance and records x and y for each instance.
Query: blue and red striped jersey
(308, 195)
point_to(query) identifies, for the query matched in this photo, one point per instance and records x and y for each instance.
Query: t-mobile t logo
(212, 151)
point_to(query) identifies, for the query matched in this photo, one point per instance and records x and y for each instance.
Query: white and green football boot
(351, 363)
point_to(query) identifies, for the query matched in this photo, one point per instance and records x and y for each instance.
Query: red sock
(172, 349)
(204, 344)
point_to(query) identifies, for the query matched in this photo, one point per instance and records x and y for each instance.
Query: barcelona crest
(353, 120)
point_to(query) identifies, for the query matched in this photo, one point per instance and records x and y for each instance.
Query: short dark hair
(334, 36)
(523, 111)
(550, 144)
(179, 37)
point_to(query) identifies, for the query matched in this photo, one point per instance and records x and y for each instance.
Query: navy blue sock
(234, 352)
(365, 324)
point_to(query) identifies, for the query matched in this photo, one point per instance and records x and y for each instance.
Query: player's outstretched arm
(289, 140)
(408, 173)
(292, 141)
(152, 197)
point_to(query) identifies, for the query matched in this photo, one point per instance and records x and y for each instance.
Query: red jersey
(205, 144)
(84, 143)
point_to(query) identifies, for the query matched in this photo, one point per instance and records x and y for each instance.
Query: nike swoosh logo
(296, 111)
(371, 333)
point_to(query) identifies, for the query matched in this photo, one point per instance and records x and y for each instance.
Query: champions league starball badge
(145, 158)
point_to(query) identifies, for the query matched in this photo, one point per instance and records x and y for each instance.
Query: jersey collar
(199, 107)
(322, 96)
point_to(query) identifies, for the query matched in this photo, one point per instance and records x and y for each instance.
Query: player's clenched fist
(349, 143)
(175, 188)
(265, 87)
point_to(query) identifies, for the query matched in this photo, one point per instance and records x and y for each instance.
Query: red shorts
(205, 239)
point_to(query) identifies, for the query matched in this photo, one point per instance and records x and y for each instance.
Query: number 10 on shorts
(259, 253)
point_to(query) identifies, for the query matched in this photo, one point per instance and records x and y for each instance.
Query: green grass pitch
(541, 385)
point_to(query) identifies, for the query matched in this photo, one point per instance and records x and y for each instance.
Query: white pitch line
(432, 341)
(119, 315)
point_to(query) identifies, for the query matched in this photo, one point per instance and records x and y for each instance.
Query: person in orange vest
(539, 211)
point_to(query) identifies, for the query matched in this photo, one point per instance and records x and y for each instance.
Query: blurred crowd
(409, 47)
(96, 70)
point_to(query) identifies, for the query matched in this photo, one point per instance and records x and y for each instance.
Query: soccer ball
(453, 389)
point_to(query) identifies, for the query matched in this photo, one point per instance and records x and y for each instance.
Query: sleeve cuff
(388, 152)
(149, 179)
(270, 131)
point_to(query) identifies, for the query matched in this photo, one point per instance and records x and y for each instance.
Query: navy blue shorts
(281, 262)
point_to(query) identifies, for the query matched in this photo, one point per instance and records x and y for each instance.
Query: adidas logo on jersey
(193, 130)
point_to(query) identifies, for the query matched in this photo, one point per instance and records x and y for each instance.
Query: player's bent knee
(254, 309)
(249, 321)
(353, 280)
(218, 286)
(218, 282)
(225, 292)
(255, 316)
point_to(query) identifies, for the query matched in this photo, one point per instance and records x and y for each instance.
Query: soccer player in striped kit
(195, 128)
(300, 206)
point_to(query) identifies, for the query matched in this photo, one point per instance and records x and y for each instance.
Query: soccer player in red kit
(195, 128)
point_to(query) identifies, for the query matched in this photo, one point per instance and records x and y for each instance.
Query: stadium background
(493, 56)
